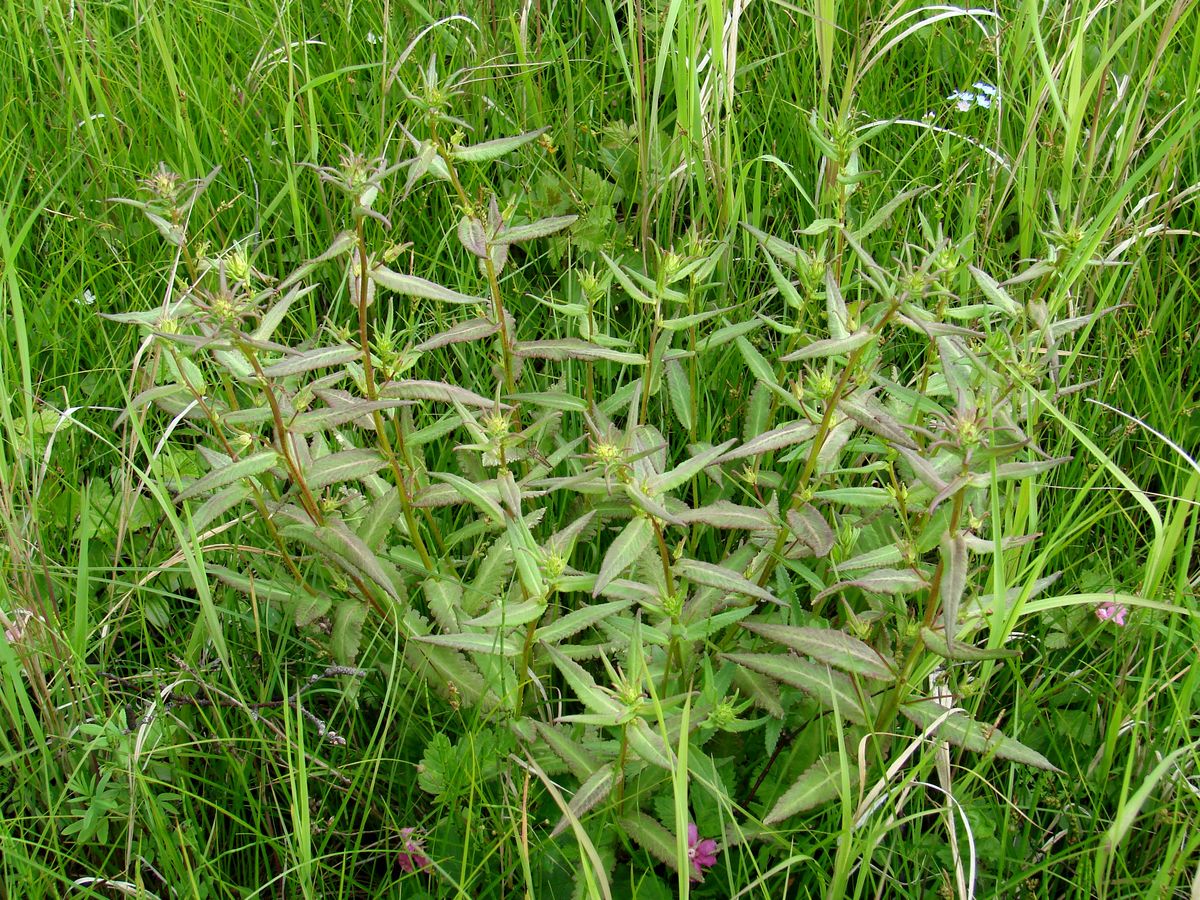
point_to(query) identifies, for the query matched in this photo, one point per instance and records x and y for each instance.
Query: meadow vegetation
(610, 449)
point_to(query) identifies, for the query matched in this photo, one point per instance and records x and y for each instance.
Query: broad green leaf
(218, 504)
(384, 513)
(649, 744)
(963, 731)
(786, 253)
(758, 413)
(651, 837)
(444, 597)
(883, 213)
(829, 646)
(862, 497)
(320, 358)
(722, 579)
(494, 149)
(887, 555)
(820, 783)
(339, 413)
(247, 467)
(413, 286)
(345, 465)
(831, 347)
(727, 333)
(627, 547)
(831, 689)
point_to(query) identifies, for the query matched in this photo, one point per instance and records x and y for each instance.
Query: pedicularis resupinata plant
(554, 539)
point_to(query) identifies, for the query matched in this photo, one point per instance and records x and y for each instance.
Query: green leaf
(784, 436)
(831, 347)
(471, 330)
(829, 646)
(954, 579)
(413, 286)
(628, 546)
(473, 643)
(726, 514)
(724, 335)
(573, 348)
(652, 837)
(820, 783)
(584, 686)
(494, 149)
(722, 579)
(936, 642)
(218, 504)
(534, 230)
(345, 465)
(881, 581)
(509, 615)
(598, 786)
(831, 689)
(688, 469)
(436, 390)
(809, 527)
(963, 731)
(574, 622)
(347, 632)
(679, 391)
(247, 467)
(320, 358)
(759, 367)
(996, 295)
(472, 492)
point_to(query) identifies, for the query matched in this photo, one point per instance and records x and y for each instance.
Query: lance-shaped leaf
(474, 493)
(573, 348)
(1023, 469)
(784, 436)
(320, 358)
(471, 235)
(997, 295)
(679, 323)
(413, 286)
(337, 544)
(722, 579)
(649, 745)
(688, 469)
(651, 837)
(436, 390)
(574, 622)
(580, 760)
(954, 578)
(509, 615)
(809, 527)
(963, 731)
(872, 416)
(474, 643)
(218, 504)
(831, 346)
(829, 646)
(786, 253)
(345, 636)
(759, 367)
(273, 317)
(881, 581)
(471, 330)
(883, 213)
(726, 514)
(935, 642)
(628, 546)
(887, 555)
(820, 783)
(727, 333)
(598, 786)
(346, 465)
(531, 231)
(342, 408)
(584, 686)
(831, 689)
(494, 149)
(679, 392)
(247, 467)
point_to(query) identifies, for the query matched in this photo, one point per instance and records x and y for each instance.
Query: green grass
(229, 793)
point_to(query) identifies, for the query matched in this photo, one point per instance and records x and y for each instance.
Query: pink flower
(702, 854)
(412, 858)
(1115, 612)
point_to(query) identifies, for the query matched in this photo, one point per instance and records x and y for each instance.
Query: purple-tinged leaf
(811, 530)
(954, 579)
(248, 467)
(436, 390)
(830, 646)
(346, 465)
(472, 236)
(831, 689)
(413, 286)
(471, 330)
(726, 514)
(820, 783)
(935, 642)
(831, 347)
(881, 581)
(722, 579)
(963, 731)
(785, 436)
(627, 547)
(320, 358)
(573, 348)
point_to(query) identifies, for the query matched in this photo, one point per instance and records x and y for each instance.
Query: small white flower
(984, 101)
(984, 88)
(88, 299)
(373, 38)
(962, 100)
